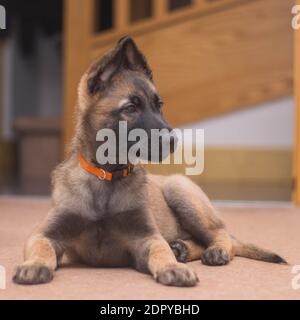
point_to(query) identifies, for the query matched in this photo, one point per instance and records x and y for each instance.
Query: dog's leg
(186, 250)
(44, 248)
(196, 214)
(153, 254)
(149, 251)
(40, 261)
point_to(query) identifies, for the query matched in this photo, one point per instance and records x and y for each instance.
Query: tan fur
(40, 250)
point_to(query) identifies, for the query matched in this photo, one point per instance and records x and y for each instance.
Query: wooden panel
(78, 26)
(257, 174)
(256, 166)
(121, 14)
(165, 19)
(140, 9)
(222, 62)
(160, 9)
(296, 171)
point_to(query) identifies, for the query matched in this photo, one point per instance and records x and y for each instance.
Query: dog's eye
(158, 102)
(130, 108)
(136, 101)
(160, 105)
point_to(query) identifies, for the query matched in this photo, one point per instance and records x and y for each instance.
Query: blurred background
(225, 66)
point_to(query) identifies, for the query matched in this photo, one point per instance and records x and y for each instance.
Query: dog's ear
(125, 55)
(134, 59)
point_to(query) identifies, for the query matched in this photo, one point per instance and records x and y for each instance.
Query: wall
(269, 125)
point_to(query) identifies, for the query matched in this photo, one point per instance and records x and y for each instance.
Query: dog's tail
(251, 251)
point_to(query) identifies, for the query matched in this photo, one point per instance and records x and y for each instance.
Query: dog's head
(119, 87)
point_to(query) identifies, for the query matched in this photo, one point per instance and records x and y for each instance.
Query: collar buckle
(103, 177)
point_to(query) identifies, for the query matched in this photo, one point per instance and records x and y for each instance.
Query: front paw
(32, 274)
(178, 275)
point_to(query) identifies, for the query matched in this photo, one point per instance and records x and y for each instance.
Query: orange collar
(101, 173)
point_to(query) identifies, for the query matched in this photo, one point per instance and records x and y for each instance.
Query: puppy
(114, 215)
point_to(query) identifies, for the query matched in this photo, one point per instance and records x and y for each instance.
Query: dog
(114, 215)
